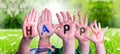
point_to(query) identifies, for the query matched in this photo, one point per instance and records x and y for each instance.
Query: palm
(98, 37)
(82, 36)
(69, 34)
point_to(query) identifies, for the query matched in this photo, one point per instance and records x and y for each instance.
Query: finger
(40, 20)
(69, 16)
(29, 16)
(105, 29)
(88, 31)
(96, 27)
(101, 36)
(92, 26)
(77, 25)
(32, 15)
(45, 14)
(80, 18)
(86, 19)
(49, 17)
(64, 16)
(42, 16)
(36, 18)
(57, 31)
(26, 19)
(99, 26)
(74, 19)
(59, 18)
(35, 15)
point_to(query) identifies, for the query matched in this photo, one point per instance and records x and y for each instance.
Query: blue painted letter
(44, 29)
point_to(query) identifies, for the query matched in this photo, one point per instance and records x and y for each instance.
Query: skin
(30, 20)
(68, 38)
(83, 42)
(98, 37)
(46, 19)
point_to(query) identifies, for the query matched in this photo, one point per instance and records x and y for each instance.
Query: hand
(98, 34)
(82, 29)
(66, 21)
(66, 31)
(98, 37)
(45, 26)
(30, 25)
(45, 29)
(29, 32)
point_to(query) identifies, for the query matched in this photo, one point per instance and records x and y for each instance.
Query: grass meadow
(10, 39)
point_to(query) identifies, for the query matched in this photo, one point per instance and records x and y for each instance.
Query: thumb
(105, 29)
(55, 26)
(89, 38)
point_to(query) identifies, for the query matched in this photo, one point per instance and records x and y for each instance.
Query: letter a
(44, 29)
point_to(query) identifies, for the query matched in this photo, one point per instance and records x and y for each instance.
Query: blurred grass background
(12, 13)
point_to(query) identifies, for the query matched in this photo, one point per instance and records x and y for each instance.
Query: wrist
(45, 44)
(100, 48)
(84, 47)
(84, 43)
(68, 39)
(26, 38)
(24, 46)
(68, 43)
(45, 40)
(69, 47)
(26, 42)
(99, 45)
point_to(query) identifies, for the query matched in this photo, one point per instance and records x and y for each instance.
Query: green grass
(10, 39)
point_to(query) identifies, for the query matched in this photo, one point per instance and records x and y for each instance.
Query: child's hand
(98, 34)
(29, 32)
(45, 30)
(66, 29)
(30, 25)
(45, 26)
(82, 31)
(98, 38)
